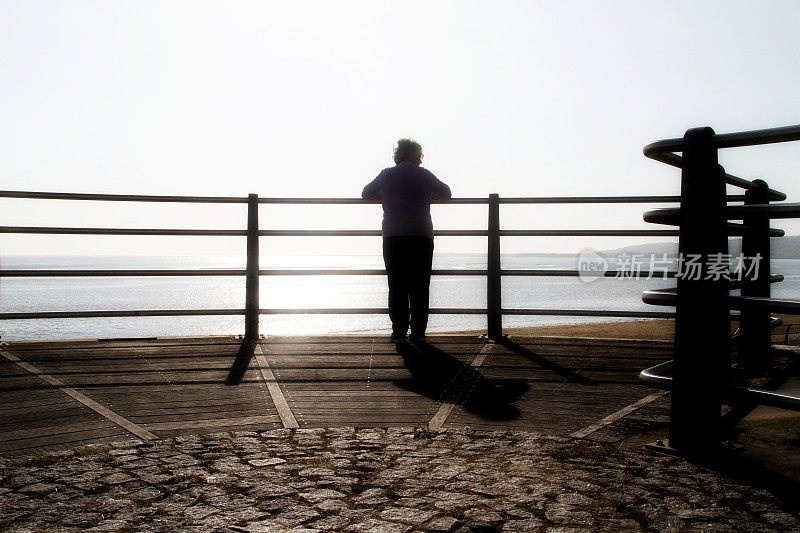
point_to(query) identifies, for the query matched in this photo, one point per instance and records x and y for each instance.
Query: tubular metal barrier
(493, 273)
(699, 375)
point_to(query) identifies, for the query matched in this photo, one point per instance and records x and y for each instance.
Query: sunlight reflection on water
(112, 293)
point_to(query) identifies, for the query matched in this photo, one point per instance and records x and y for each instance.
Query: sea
(129, 293)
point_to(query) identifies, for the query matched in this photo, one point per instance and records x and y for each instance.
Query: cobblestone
(395, 480)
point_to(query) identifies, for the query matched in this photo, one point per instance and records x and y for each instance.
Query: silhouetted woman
(406, 191)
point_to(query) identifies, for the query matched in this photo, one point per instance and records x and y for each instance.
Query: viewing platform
(352, 433)
(463, 432)
(62, 394)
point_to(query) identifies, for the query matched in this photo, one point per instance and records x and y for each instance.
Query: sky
(288, 99)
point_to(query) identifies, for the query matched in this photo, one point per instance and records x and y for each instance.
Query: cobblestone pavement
(374, 480)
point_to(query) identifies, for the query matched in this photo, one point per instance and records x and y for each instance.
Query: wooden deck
(61, 394)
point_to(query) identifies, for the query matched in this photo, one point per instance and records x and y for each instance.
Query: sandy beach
(634, 329)
(652, 330)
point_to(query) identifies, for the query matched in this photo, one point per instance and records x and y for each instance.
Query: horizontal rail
(50, 273)
(124, 231)
(472, 311)
(625, 274)
(123, 197)
(476, 233)
(589, 233)
(592, 200)
(325, 311)
(365, 311)
(311, 201)
(588, 312)
(32, 195)
(327, 233)
(517, 200)
(509, 200)
(210, 272)
(346, 201)
(359, 233)
(114, 314)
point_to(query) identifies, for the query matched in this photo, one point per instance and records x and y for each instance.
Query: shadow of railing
(547, 364)
(242, 361)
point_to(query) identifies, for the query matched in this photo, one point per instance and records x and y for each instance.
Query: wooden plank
(155, 379)
(99, 343)
(278, 399)
(88, 402)
(184, 403)
(361, 420)
(183, 400)
(363, 394)
(189, 401)
(76, 437)
(335, 374)
(106, 350)
(418, 415)
(29, 407)
(166, 389)
(40, 417)
(30, 399)
(207, 412)
(251, 427)
(140, 368)
(58, 429)
(210, 423)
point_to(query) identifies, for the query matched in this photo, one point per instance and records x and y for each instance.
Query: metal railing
(699, 376)
(494, 273)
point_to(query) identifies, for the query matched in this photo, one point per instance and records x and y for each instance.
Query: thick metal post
(251, 284)
(702, 323)
(493, 284)
(756, 253)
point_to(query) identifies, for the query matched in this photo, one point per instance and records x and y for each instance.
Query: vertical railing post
(702, 323)
(494, 310)
(251, 283)
(755, 321)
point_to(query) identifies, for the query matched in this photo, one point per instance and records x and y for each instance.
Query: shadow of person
(441, 377)
(241, 363)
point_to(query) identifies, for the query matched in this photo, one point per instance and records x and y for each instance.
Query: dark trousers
(408, 269)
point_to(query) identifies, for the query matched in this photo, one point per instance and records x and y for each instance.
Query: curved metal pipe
(670, 215)
(677, 161)
(658, 377)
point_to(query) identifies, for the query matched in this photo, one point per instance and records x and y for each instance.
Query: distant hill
(780, 248)
(658, 248)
